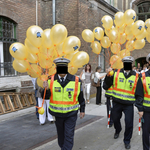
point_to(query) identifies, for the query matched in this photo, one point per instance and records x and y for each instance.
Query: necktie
(125, 74)
(62, 80)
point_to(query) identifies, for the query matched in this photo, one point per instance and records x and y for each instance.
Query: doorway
(141, 60)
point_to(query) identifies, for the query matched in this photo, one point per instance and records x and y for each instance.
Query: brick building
(17, 15)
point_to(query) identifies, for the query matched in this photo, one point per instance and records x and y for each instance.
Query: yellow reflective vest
(124, 89)
(109, 91)
(64, 100)
(146, 86)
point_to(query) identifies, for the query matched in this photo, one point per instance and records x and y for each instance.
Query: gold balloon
(122, 38)
(114, 60)
(130, 37)
(147, 25)
(128, 28)
(45, 63)
(18, 51)
(119, 65)
(72, 70)
(30, 47)
(107, 22)
(117, 39)
(32, 58)
(107, 32)
(46, 53)
(70, 56)
(121, 29)
(138, 27)
(52, 69)
(148, 37)
(40, 82)
(139, 44)
(105, 42)
(142, 35)
(129, 16)
(41, 110)
(34, 35)
(46, 41)
(59, 49)
(113, 34)
(79, 59)
(71, 44)
(58, 34)
(88, 35)
(98, 33)
(96, 47)
(119, 19)
(34, 71)
(124, 53)
(130, 45)
(115, 48)
(21, 65)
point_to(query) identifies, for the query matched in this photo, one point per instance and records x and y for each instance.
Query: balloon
(139, 44)
(119, 19)
(121, 29)
(21, 65)
(96, 47)
(119, 65)
(107, 32)
(147, 25)
(129, 16)
(141, 36)
(44, 77)
(34, 35)
(58, 34)
(124, 53)
(70, 56)
(30, 47)
(148, 37)
(45, 63)
(72, 70)
(107, 22)
(88, 35)
(79, 59)
(128, 28)
(98, 33)
(46, 41)
(115, 48)
(105, 42)
(32, 58)
(18, 51)
(40, 82)
(34, 71)
(113, 34)
(59, 49)
(130, 37)
(138, 27)
(122, 38)
(114, 60)
(52, 69)
(41, 110)
(71, 44)
(117, 39)
(129, 45)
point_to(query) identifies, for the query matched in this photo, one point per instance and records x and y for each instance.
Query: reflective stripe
(63, 108)
(147, 102)
(109, 92)
(121, 95)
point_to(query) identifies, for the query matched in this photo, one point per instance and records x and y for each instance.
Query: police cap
(148, 57)
(61, 61)
(129, 59)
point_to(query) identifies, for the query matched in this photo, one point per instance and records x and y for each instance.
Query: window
(111, 2)
(143, 11)
(102, 60)
(7, 37)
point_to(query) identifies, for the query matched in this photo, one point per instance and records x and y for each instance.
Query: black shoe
(127, 146)
(110, 125)
(116, 135)
(51, 122)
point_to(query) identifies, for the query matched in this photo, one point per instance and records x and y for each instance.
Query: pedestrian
(143, 105)
(34, 80)
(144, 68)
(66, 95)
(98, 78)
(124, 83)
(134, 68)
(139, 67)
(42, 118)
(86, 81)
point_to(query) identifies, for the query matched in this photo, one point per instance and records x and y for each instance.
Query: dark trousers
(109, 108)
(65, 131)
(146, 131)
(117, 114)
(98, 95)
(37, 114)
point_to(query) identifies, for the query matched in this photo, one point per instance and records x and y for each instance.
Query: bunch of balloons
(40, 48)
(122, 35)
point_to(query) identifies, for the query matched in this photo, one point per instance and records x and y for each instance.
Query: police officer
(66, 96)
(124, 83)
(143, 105)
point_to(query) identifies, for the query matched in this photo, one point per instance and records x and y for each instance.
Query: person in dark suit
(66, 97)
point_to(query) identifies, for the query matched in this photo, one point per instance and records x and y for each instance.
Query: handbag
(83, 75)
(94, 83)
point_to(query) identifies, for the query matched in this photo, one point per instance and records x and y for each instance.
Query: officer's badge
(121, 79)
(69, 94)
(57, 89)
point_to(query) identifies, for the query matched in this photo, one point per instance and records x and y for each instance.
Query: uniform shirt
(61, 77)
(81, 100)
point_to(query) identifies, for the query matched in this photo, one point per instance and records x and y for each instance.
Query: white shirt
(144, 70)
(33, 81)
(127, 72)
(61, 77)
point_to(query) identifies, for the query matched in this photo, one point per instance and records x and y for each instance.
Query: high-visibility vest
(64, 100)
(146, 85)
(124, 89)
(109, 91)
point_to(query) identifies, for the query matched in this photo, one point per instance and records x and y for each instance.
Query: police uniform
(143, 105)
(66, 97)
(123, 94)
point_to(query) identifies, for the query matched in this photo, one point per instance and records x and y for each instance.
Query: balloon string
(56, 51)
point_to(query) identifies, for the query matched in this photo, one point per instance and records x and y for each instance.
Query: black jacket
(80, 97)
(108, 82)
